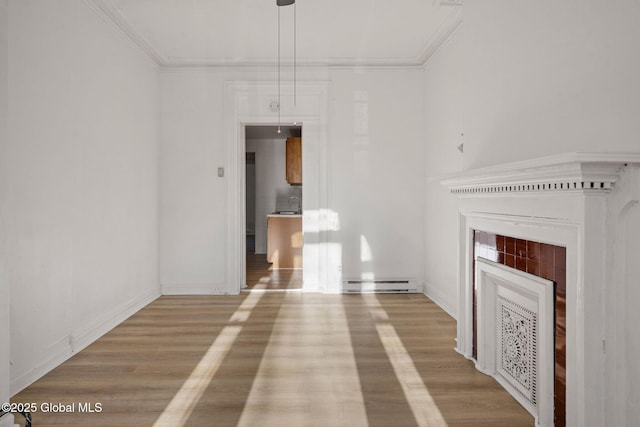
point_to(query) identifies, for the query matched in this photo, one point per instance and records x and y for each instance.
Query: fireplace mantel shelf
(564, 172)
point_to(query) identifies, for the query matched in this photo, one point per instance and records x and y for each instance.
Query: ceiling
(245, 32)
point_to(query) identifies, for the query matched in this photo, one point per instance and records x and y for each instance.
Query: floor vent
(399, 286)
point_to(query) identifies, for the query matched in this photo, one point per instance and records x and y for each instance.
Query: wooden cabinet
(284, 241)
(294, 161)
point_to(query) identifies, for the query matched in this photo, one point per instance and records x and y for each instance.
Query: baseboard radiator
(396, 286)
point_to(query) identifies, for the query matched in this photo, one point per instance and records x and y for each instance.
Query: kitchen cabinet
(284, 241)
(294, 161)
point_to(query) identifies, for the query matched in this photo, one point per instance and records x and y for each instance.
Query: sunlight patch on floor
(422, 405)
(178, 411)
(303, 377)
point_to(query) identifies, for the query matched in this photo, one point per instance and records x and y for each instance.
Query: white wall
(193, 211)
(4, 282)
(250, 201)
(272, 189)
(375, 172)
(81, 215)
(548, 77)
(444, 126)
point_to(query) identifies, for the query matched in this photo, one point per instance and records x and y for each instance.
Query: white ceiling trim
(113, 17)
(446, 30)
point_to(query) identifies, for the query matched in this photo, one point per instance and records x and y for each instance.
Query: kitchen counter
(284, 240)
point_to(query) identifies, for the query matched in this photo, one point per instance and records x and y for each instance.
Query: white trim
(440, 299)
(195, 289)
(624, 201)
(445, 33)
(122, 28)
(384, 63)
(80, 339)
(248, 103)
(565, 172)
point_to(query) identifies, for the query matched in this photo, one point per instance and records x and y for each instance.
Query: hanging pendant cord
(279, 70)
(295, 51)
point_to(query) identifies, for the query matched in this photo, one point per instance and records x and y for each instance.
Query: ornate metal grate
(516, 329)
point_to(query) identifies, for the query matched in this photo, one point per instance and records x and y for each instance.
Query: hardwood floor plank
(283, 359)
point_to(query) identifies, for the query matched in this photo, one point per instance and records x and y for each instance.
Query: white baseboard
(80, 339)
(440, 299)
(199, 289)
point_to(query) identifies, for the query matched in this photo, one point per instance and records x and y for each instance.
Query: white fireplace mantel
(569, 171)
(583, 202)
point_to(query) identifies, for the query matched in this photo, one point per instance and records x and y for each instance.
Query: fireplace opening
(541, 260)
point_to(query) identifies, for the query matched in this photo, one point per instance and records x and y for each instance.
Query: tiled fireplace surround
(555, 218)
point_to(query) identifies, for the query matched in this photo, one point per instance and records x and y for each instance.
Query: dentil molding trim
(581, 172)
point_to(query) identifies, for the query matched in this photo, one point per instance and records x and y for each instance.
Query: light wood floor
(278, 359)
(260, 275)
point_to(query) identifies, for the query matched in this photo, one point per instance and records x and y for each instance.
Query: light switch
(220, 172)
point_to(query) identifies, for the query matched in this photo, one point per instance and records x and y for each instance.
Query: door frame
(249, 103)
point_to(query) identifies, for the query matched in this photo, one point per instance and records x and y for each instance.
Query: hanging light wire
(295, 51)
(279, 130)
(295, 55)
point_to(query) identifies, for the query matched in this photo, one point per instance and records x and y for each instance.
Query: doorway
(248, 102)
(273, 208)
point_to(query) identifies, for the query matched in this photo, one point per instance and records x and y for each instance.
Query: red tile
(510, 260)
(500, 243)
(560, 256)
(561, 282)
(561, 331)
(521, 248)
(547, 262)
(521, 264)
(510, 245)
(560, 389)
(533, 250)
(533, 267)
(560, 353)
(560, 260)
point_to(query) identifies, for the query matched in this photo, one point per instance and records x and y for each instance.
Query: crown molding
(326, 63)
(108, 14)
(111, 16)
(440, 38)
(574, 172)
